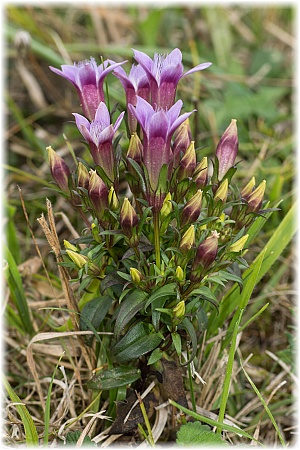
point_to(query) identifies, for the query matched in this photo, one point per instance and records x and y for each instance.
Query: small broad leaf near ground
(195, 434)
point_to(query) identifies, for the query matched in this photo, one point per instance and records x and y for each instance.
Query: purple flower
(158, 126)
(135, 83)
(99, 135)
(164, 73)
(88, 79)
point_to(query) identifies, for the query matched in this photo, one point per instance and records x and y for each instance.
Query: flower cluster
(156, 252)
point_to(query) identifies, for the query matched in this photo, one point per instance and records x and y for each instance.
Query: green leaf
(168, 290)
(94, 313)
(188, 326)
(176, 338)
(133, 303)
(114, 378)
(155, 356)
(73, 436)
(17, 293)
(29, 426)
(136, 332)
(193, 433)
(138, 348)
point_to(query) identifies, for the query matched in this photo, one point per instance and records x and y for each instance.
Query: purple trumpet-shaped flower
(164, 73)
(135, 83)
(99, 135)
(158, 126)
(88, 80)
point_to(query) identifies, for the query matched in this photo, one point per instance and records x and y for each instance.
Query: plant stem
(156, 237)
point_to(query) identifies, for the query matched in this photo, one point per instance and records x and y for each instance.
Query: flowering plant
(153, 255)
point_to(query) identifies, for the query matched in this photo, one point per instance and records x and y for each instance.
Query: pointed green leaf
(114, 378)
(132, 303)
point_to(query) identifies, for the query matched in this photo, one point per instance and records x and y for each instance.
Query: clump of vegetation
(156, 271)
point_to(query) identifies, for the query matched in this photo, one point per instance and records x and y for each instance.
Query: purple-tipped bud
(222, 191)
(227, 149)
(187, 240)
(128, 218)
(182, 140)
(59, 170)
(192, 209)
(201, 173)
(188, 163)
(247, 191)
(205, 254)
(256, 198)
(83, 178)
(98, 194)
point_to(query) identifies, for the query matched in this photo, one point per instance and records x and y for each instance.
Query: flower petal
(197, 68)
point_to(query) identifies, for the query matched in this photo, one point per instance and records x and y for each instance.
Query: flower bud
(201, 173)
(182, 140)
(69, 246)
(128, 218)
(95, 233)
(82, 176)
(227, 149)
(187, 163)
(206, 254)
(187, 240)
(113, 199)
(192, 209)
(179, 274)
(179, 310)
(167, 206)
(247, 190)
(135, 148)
(256, 197)
(77, 258)
(59, 170)
(98, 194)
(135, 275)
(239, 244)
(222, 191)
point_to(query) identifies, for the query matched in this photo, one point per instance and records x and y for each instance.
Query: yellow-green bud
(239, 244)
(69, 246)
(247, 190)
(135, 148)
(135, 275)
(187, 239)
(201, 173)
(222, 191)
(187, 163)
(179, 274)
(255, 199)
(77, 258)
(128, 218)
(113, 201)
(179, 310)
(82, 176)
(192, 209)
(167, 207)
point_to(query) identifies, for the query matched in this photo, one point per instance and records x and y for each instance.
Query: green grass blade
(212, 422)
(235, 323)
(273, 249)
(266, 407)
(17, 293)
(47, 406)
(29, 426)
